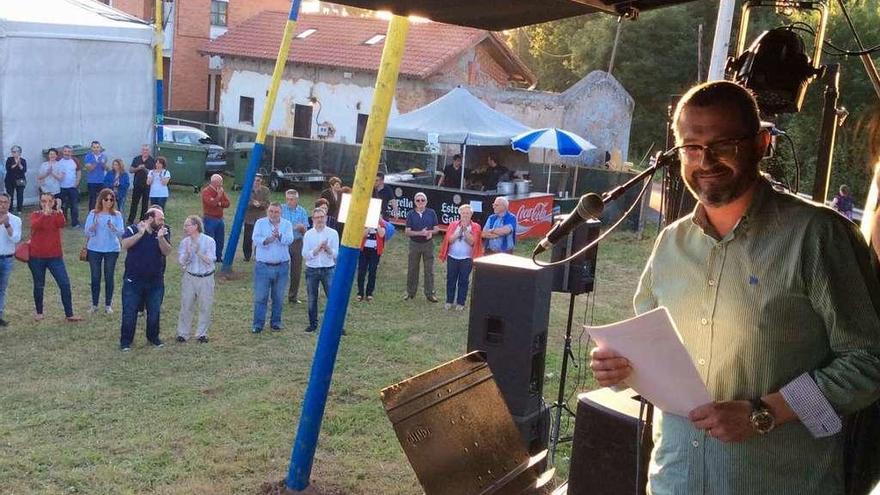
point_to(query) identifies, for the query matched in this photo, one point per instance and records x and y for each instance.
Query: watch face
(762, 421)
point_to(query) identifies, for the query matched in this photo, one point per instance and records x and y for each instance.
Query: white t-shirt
(49, 184)
(68, 167)
(157, 190)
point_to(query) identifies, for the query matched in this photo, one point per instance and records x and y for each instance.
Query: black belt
(201, 275)
(4, 256)
(272, 264)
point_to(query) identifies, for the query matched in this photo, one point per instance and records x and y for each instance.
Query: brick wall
(240, 10)
(189, 69)
(142, 9)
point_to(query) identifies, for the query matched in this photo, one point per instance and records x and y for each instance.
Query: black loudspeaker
(535, 429)
(604, 455)
(510, 311)
(578, 275)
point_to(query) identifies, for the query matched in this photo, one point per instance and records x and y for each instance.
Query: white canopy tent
(458, 117)
(73, 71)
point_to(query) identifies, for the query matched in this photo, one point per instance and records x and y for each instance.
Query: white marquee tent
(73, 71)
(458, 117)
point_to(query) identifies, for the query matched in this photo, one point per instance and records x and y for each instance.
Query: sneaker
(38, 316)
(256, 330)
(181, 339)
(459, 307)
(276, 328)
(125, 348)
(310, 329)
(408, 297)
(447, 306)
(432, 298)
(108, 310)
(294, 301)
(3, 323)
(93, 309)
(203, 339)
(74, 319)
(141, 314)
(360, 298)
(158, 344)
(369, 298)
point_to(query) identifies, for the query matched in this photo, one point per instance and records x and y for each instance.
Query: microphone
(591, 205)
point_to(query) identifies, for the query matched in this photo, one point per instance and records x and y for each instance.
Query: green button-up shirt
(790, 290)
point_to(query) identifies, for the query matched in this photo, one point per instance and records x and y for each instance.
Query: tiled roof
(339, 42)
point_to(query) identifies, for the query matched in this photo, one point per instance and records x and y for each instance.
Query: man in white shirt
(69, 178)
(272, 236)
(10, 235)
(320, 248)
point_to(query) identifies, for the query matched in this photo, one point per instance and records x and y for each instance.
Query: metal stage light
(497, 15)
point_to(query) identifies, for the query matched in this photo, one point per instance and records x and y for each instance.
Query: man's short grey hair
(67, 147)
(216, 176)
(420, 194)
(291, 192)
(16, 147)
(5, 195)
(503, 201)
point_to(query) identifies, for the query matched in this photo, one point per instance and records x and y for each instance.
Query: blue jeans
(94, 189)
(159, 201)
(269, 281)
(109, 260)
(55, 266)
(216, 229)
(458, 274)
(135, 294)
(6, 265)
(315, 276)
(120, 204)
(368, 262)
(70, 201)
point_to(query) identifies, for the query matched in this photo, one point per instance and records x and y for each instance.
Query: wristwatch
(761, 418)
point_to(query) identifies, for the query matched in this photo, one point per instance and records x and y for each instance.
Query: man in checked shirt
(777, 303)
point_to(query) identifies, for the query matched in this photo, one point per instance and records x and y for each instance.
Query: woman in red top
(46, 253)
(372, 246)
(460, 246)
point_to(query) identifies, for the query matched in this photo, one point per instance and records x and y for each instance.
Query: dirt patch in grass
(279, 488)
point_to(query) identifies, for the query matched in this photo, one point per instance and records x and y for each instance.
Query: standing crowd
(283, 240)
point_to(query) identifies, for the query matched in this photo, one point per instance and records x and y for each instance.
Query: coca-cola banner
(534, 212)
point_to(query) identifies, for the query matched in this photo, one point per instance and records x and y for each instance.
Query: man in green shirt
(777, 302)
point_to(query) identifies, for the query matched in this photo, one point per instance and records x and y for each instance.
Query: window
(246, 110)
(218, 12)
(302, 121)
(305, 34)
(375, 39)
(361, 127)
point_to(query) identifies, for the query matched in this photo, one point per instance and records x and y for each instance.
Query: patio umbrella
(563, 142)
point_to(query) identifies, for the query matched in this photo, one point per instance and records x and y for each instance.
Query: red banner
(534, 216)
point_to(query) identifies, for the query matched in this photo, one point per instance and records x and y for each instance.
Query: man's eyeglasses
(726, 149)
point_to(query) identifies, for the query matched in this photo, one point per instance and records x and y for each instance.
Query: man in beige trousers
(196, 255)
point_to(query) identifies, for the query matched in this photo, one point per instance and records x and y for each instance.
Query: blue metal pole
(257, 153)
(303, 451)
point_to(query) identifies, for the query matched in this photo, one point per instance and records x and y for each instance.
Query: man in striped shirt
(777, 303)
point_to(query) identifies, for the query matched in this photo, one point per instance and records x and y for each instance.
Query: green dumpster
(241, 157)
(79, 155)
(186, 163)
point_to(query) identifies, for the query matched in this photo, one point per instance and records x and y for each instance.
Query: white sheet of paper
(663, 371)
(374, 211)
(477, 206)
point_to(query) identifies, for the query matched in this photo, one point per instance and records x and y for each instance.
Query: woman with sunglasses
(46, 254)
(117, 179)
(104, 227)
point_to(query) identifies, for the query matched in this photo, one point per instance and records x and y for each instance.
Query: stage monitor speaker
(510, 311)
(457, 434)
(535, 429)
(578, 275)
(604, 449)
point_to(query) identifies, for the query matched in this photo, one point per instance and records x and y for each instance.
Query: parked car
(183, 134)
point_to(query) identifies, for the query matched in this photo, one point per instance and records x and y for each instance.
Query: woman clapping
(46, 253)
(104, 227)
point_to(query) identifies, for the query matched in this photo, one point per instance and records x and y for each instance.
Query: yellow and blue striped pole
(303, 451)
(160, 72)
(259, 145)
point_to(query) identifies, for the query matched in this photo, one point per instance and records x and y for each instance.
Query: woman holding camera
(46, 253)
(104, 227)
(16, 177)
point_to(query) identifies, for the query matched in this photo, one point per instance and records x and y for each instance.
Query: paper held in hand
(663, 371)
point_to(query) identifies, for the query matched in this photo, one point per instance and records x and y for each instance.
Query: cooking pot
(523, 186)
(505, 188)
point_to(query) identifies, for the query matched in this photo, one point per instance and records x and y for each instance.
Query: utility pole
(614, 47)
(721, 43)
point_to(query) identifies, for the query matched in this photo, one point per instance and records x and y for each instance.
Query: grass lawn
(79, 416)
